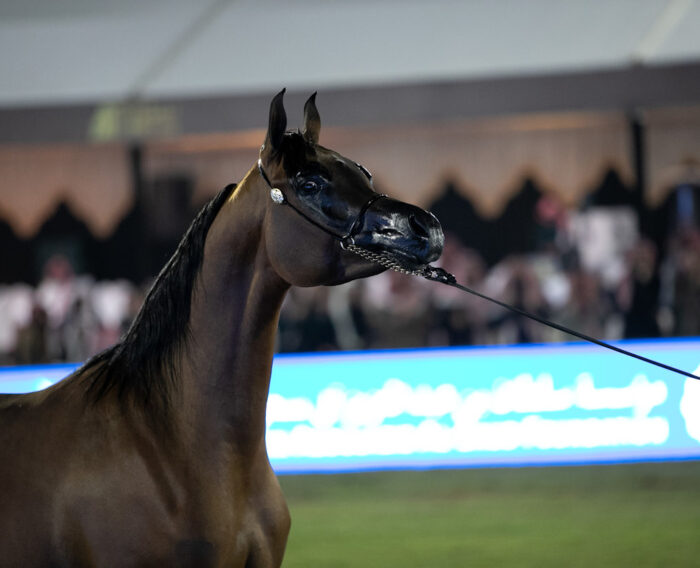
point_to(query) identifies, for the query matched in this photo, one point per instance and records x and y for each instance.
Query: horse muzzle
(411, 236)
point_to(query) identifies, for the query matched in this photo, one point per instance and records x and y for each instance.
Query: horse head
(323, 206)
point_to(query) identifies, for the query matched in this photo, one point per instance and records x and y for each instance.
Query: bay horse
(153, 452)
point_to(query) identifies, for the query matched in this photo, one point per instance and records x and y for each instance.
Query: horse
(153, 452)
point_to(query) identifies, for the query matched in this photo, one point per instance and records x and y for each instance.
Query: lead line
(435, 274)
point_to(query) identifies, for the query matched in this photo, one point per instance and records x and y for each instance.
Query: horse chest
(210, 521)
(243, 528)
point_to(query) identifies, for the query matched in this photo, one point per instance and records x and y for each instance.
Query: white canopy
(74, 51)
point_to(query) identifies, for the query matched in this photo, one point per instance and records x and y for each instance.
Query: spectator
(72, 317)
(639, 292)
(685, 261)
(31, 341)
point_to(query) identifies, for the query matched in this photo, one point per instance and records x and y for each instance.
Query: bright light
(470, 407)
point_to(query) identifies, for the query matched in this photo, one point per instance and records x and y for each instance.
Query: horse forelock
(295, 152)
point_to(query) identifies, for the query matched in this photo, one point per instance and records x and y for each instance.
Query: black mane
(141, 365)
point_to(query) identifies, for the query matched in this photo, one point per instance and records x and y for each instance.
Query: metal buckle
(277, 196)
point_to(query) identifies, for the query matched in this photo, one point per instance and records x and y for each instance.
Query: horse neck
(233, 321)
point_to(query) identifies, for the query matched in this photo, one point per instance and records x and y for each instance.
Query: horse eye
(309, 185)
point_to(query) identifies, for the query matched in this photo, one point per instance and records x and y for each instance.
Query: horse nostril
(418, 226)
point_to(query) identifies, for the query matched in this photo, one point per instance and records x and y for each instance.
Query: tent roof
(90, 51)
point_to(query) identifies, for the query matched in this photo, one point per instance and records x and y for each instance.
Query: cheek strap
(279, 198)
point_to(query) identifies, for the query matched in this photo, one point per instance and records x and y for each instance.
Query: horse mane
(142, 365)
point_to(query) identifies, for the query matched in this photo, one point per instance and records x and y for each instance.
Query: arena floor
(620, 515)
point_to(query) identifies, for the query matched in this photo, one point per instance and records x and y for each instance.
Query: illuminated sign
(32, 378)
(470, 407)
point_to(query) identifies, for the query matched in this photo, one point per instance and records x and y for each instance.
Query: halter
(348, 239)
(436, 274)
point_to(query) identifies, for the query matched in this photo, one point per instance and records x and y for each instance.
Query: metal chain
(433, 273)
(382, 260)
(437, 274)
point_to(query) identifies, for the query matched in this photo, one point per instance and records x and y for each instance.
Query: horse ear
(277, 124)
(312, 120)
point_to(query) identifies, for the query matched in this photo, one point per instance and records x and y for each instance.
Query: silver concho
(277, 196)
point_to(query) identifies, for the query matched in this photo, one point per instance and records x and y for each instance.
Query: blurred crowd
(650, 297)
(69, 317)
(65, 318)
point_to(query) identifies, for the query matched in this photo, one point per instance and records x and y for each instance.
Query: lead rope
(435, 274)
(440, 275)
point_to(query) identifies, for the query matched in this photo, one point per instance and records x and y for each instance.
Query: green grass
(624, 515)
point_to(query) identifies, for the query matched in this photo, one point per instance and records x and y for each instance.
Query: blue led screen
(467, 407)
